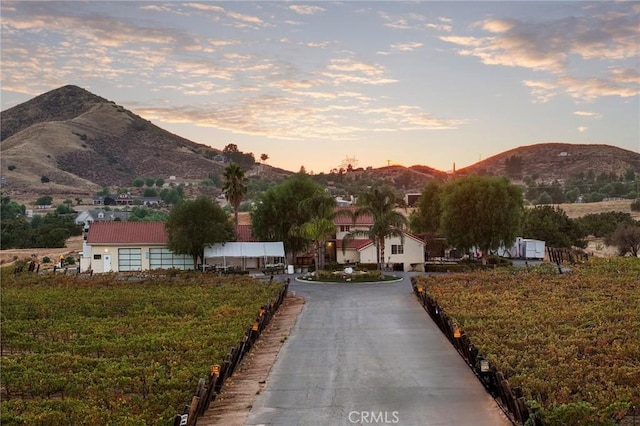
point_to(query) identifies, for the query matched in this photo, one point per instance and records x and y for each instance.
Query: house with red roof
(129, 246)
(405, 253)
(138, 246)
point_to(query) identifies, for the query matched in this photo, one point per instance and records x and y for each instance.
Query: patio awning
(249, 249)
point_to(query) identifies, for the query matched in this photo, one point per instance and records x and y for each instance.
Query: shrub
(11, 167)
(46, 259)
(44, 179)
(635, 206)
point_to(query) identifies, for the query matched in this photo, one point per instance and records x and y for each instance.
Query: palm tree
(234, 188)
(380, 203)
(318, 230)
(320, 226)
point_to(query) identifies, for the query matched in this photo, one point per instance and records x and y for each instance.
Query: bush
(635, 206)
(46, 259)
(11, 167)
(44, 179)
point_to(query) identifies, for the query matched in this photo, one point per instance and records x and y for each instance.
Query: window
(345, 228)
(397, 249)
(129, 259)
(163, 258)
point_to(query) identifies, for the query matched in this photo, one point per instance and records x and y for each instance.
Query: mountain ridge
(71, 142)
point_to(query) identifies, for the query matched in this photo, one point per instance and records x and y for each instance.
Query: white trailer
(532, 249)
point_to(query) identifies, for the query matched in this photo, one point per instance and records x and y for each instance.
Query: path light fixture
(457, 333)
(215, 369)
(485, 367)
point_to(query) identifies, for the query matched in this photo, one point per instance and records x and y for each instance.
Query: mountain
(81, 142)
(557, 161)
(78, 142)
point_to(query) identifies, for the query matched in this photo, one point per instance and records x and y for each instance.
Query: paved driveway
(370, 354)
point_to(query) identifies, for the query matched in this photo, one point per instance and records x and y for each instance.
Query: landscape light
(484, 366)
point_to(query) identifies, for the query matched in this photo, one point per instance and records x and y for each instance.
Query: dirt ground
(233, 404)
(73, 246)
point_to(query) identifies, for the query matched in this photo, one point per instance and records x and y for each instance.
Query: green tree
(603, 224)
(150, 192)
(53, 230)
(380, 203)
(10, 209)
(159, 182)
(149, 182)
(45, 200)
(138, 182)
(145, 214)
(426, 218)
(280, 209)
(544, 198)
(15, 232)
(173, 196)
(235, 187)
(552, 225)
(194, 224)
(481, 211)
(64, 209)
(321, 209)
(626, 238)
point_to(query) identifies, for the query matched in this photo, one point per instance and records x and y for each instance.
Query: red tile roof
(354, 244)
(127, 233)
(365, 219)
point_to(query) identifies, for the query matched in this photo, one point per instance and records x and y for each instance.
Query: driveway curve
(370, 354)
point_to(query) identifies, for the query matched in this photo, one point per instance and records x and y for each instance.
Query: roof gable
(127, 233)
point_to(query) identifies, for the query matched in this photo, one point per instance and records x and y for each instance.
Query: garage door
(129, 259)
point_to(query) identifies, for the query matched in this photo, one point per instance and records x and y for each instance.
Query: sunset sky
(311, 83)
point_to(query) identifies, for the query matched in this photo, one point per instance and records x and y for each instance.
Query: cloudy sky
(312, 83)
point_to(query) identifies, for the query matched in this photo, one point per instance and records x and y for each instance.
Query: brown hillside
(551, 161)
(82, 142)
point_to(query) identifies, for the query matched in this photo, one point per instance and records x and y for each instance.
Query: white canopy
(233, 249)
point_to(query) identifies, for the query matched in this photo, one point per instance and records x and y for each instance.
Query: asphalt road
(370, 354)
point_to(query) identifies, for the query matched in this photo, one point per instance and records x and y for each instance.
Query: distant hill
(558, 161)
(81, 142)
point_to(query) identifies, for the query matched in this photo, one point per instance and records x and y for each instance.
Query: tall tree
(426, 218)
(234, 187)
(280, 209)
(321, 209)
(481, 211)
(380, 203)
(552, 225)
(194, 224)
